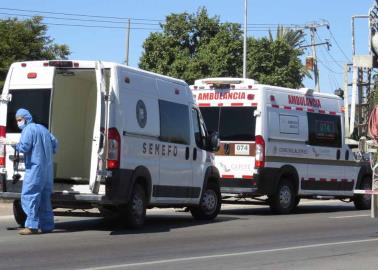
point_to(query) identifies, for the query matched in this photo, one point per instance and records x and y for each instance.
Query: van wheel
(135, 211)
(210, 203)
(284, 200)
(19, 214)
(363, 201)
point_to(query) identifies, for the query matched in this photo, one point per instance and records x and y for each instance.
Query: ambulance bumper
(263, 183)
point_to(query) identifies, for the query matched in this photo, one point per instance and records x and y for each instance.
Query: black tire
(284, 200)
(296, 202)
(134, 212)
(210, 203)
(19, 214)
(363, 201)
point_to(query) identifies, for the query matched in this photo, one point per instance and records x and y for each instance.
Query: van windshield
(37, 101)
(232, 123)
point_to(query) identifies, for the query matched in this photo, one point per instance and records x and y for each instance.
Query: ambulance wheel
(210, 203)
(284, 199)
(135, 210)
(363, 201)
(19, 214)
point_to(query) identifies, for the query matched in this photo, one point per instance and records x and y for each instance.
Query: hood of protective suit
(25, 114)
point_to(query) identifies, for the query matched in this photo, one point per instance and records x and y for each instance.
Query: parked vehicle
(128, 139)
(282, 143)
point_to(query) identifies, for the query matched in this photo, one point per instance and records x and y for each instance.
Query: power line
(337, 44)
(76, 19)
(101, 26)
(330, 55)
(329, 69)
(77, 14)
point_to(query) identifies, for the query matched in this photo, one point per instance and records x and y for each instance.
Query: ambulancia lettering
(159, 149)
(304, 101)
(221, 96)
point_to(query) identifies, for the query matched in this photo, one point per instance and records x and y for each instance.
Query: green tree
(193, 46)
(26, 40)
(274, 62)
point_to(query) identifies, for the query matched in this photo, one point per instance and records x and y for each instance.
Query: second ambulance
(279, 144)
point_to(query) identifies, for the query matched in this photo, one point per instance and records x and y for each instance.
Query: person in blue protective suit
(38, 146)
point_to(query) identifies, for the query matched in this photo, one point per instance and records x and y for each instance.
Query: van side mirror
(213, 142)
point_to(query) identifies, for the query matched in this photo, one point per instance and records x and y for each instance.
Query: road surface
(320, 235)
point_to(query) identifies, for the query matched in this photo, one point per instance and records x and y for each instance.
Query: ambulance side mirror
(213, 142)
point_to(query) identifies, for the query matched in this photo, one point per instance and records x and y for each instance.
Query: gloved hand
(7, 141)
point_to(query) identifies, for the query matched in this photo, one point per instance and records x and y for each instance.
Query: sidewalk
(6, 208)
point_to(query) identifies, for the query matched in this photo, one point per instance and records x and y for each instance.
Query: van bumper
(263, 183)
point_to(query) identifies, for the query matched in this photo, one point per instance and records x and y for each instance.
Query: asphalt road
(320, 235)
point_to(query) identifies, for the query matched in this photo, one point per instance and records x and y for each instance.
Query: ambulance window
(37, 101)
(174, 122)
(237, 124)
(324, 130)
(211, 118)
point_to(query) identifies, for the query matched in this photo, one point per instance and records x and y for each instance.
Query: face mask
(21, 124)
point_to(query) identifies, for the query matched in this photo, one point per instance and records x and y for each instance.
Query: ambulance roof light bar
(226, 80)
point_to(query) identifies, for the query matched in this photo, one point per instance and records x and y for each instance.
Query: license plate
(242, 149)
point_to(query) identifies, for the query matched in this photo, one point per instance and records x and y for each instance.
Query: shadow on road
(300, 210)
(153, 224)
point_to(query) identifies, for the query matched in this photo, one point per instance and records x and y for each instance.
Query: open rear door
(96, 156)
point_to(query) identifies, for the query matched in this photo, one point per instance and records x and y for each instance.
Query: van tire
(210, 203)
(361, 201)
(134, 212)
(284, 200)
(19, 214)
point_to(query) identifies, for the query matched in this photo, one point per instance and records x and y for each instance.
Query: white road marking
(6, 217)
(350, 216)
(252, 252)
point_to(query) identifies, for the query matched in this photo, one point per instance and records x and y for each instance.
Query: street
(320, 235)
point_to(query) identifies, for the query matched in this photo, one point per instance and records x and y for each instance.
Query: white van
(284, 143)
(128, 139)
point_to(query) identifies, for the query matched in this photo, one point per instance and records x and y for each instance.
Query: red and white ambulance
(282, 143)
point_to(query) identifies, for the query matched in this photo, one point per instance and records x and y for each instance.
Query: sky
(107, 41)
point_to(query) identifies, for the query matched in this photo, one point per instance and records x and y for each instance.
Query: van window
(174, 122)
(36, 101)
(232, 123)
(199, 129)
(324, 130)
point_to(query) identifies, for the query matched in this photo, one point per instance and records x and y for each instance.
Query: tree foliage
(193, 46)
(274, 62)
(26, 40)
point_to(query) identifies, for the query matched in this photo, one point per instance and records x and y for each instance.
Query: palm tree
(294, 38)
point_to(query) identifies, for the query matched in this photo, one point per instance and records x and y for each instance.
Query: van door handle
(187, 153)
(338, 154)
(195, 153)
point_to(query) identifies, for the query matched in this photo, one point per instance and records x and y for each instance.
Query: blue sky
(108, 44)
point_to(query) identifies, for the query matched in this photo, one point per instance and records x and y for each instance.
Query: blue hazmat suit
(38, 146)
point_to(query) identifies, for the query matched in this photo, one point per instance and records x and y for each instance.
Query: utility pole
(245, 41)
(316, 70)
(313, 28)
(127, 43)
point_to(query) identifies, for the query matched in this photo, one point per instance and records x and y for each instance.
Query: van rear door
(30, 86)
(97, 158)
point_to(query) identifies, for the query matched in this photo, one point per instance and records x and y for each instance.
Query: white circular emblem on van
(141, 113)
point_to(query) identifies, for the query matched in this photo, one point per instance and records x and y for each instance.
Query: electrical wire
(77, 14)
(76, 19)
(337, 44)
(330, 55)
